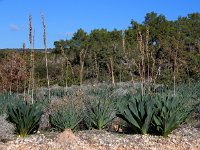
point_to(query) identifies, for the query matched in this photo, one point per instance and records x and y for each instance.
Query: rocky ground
(183, 138)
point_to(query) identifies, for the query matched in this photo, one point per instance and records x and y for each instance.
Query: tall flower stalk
(46, 57)
(24, 69)
(82, 55)
(65, 60)
(141, 66)
(147, 52)
(31, 78)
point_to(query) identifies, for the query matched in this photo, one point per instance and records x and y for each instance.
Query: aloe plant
(25, 116)
(138, 112)
(170, 113)
(64, 118)
(99, 113)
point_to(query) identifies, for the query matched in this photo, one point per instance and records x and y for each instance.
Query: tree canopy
(166, 38)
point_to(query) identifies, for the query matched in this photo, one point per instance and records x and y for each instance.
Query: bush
(138, 112)
(170, 113)
(25, 116)
(98, 114)
(54, 70)
(155, 114)
(64, 118)
(52, 107)
(5, 100)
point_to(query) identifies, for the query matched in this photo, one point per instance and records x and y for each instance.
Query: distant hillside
(20, 49)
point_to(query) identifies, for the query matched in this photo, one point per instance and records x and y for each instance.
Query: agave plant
(64, 118)
(99, 113)
(25, 116)
(170, 113)
(138, 112)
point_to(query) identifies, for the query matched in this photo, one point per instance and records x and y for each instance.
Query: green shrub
(64, 118)
(159, 113)
(3, 104)
(189, 92)
(5, 100)
(137, 111)
(98, 114)
(170, 113)
(54, 70)
(25, 116)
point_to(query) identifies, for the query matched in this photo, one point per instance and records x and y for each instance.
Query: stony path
(185, 138)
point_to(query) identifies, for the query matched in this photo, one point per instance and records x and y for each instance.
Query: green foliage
(170, 113)
(189, 92)
(137, 111)
(59, 45)
(25, 116)
(166, 38)
(64, 118)
(5, 53)
(5, 100)
(54, 70)
(159, 112)
(99, 113)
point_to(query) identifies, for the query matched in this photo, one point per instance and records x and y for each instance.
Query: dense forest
(155, 51)
(166, 46)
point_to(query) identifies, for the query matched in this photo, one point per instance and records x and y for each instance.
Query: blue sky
(64, 17)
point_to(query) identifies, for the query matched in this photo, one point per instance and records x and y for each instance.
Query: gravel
(183, 138)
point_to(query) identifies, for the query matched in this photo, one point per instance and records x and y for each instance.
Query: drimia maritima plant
(108, 56)
(159, 114)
